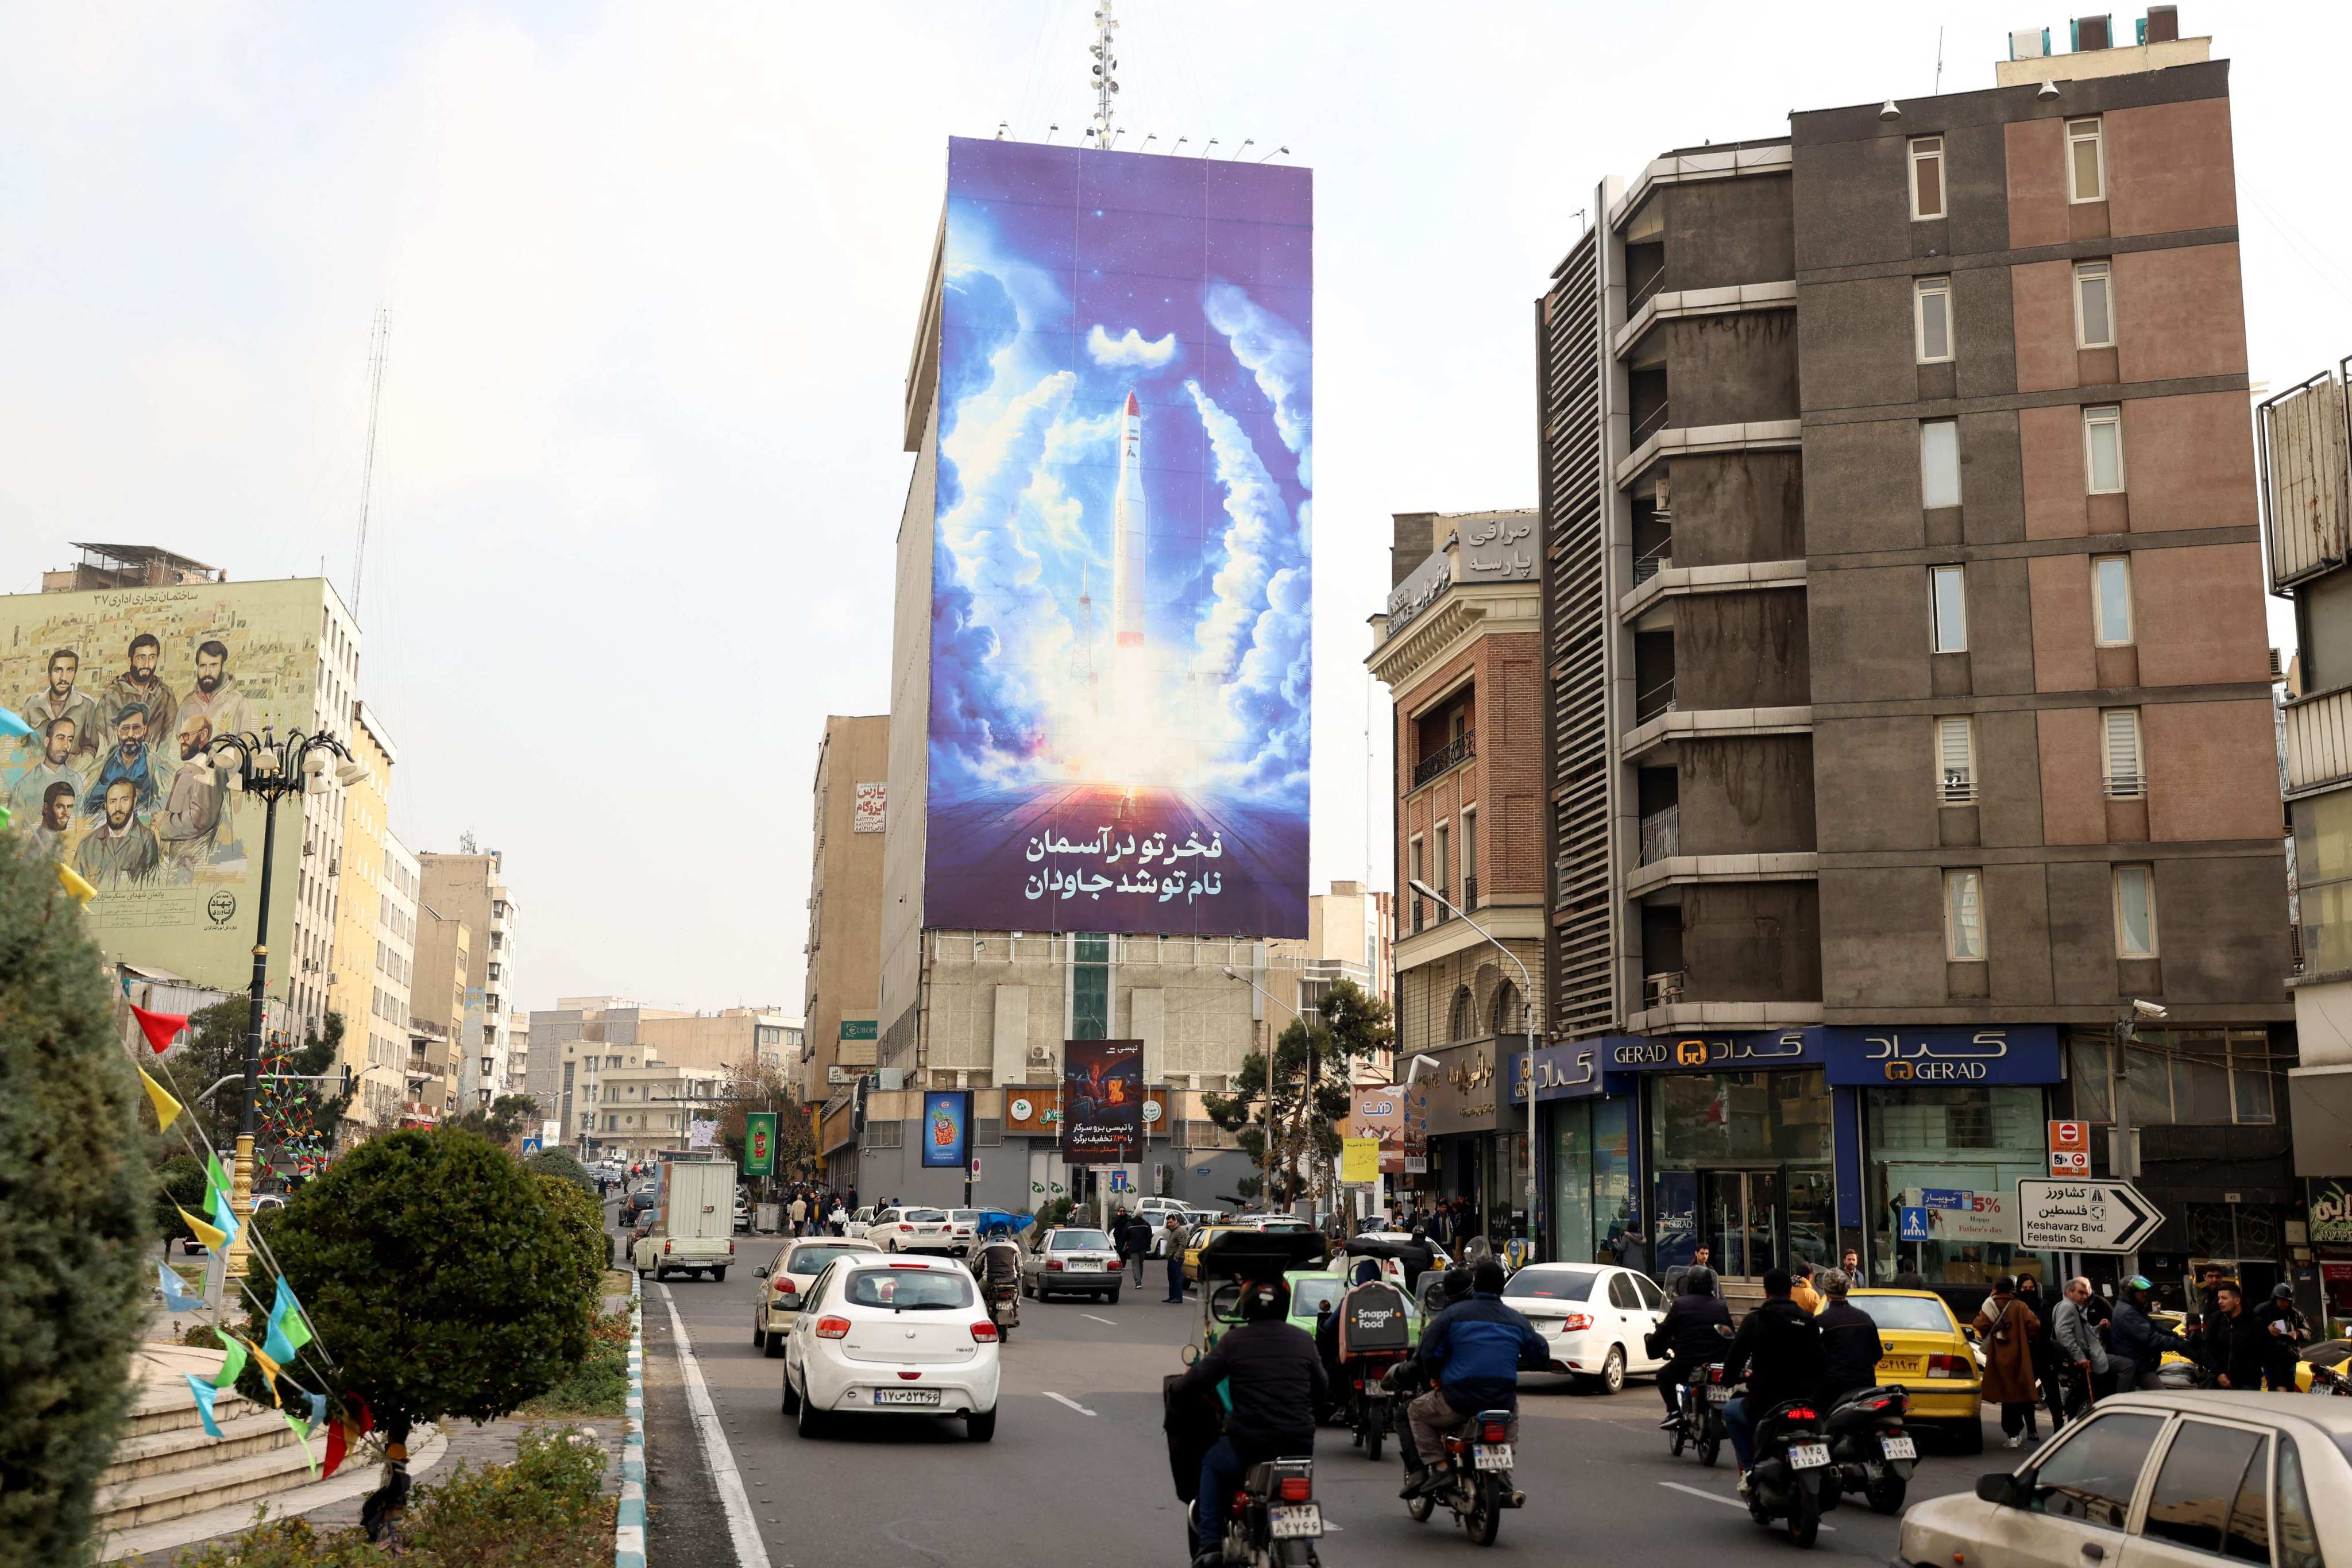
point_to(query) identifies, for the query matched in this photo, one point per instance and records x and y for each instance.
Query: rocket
(1129, 524)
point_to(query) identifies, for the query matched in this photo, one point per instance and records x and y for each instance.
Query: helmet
(2139, 1282)
(1267, 1301)
(1699, 1280)
(1457, 1283)
(2282, 1291)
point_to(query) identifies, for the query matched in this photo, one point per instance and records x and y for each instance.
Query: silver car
(1071, 1260)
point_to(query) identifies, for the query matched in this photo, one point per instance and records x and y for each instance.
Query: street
(1078, 1469)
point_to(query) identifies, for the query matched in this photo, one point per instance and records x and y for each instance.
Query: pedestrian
(2007, 1329)
(2082, 1354)
(800, 1216)
(2278, 1328)
(1139, 1242)
(1178, 1236)
(2233, 1354)
(2045, 1361)
(1702, 1258)
(1850, 1267)
(1631, 1251)
(836, 1218)
(1801, 1291)
(1851, 1346)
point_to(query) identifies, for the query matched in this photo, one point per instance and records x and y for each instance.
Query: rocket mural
(1130, 530)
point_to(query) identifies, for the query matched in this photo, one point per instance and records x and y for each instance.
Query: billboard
(1120, 651)
(121, 688)
(759, 1142)
(1102, 1102)
(947, 1127)
(1377, 1112)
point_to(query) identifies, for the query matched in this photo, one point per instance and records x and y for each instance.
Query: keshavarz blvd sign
(2084, 1216)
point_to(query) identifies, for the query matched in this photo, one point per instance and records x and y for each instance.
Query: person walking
(800, 1216)
(2007, 1329)
(1633, 1252)
(1801, 1291)
(2045, 1361)
(1178, 1236)
(1138, 1241)
(2082, 1354)
(2278, 1328)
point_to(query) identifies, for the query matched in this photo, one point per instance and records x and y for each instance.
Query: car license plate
(1494, 1455)
(905, 1397)
(1719, 1395)
(1893, 1365)
(1899, 1447)
(1295, 1522)
(1808, 1456)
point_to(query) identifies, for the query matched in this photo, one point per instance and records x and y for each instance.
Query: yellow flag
(74, 882)
(167, 1109)
(211, 1235)
(268, 1368)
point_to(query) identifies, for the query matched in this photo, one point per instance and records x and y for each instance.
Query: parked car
(789, 1274)
(892, 1336)
(1593, 1317)
(1072, 1260)
(743, 1213)
(963, 1229)
(858, 1223)
(2166, 1477)
(911, 1230)
(1924, 1350)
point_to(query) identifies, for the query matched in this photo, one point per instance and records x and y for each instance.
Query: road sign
(1914, 1225)
(532, 1145)
(2069, 1149)
(2084, 1216)
(975, 1167)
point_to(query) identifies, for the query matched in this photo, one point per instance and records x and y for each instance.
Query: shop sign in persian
(2331, 1214)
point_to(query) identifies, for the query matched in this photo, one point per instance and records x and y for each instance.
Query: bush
(582, 1219)
(75, 1271)
(561, 1163)
(598, 1388)
(437, 1276)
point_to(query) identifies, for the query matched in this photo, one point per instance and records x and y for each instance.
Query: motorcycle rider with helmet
(1695, 1333)
(2137, 1338)
(1472, 1353)
(1274, 1381)
(1778, 1354)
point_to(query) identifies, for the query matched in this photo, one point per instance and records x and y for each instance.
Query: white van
(694, 1220)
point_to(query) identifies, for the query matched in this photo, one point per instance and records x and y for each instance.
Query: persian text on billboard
(1119, 632)
(1102, 1102)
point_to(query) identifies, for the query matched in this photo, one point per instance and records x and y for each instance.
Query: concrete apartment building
(1461, 651)
(648, 1106)
(432, 1081)
(375, 925)
(1902, 605)
(841, 998)
(437, 1006)
(470, 887)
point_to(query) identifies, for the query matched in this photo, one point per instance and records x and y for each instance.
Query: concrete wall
(1748, 795)
(1759, 941)
(901, 919)
(1737, 506)
(1724, 232)
(1741, 650)
(1731, 370)
(845, 882)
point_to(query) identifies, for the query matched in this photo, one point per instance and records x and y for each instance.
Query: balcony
(1653, 561)
(1649, 425)
(1662, 835)
(1454, 754)
(1655, 702)
(1664, 990)
(2318, 741)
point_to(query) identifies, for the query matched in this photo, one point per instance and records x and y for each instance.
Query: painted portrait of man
(140, 687)
(61, 763)
(128, 763)
(216, 698)
(121, 847)
(55, 824)
(61, 699)
(190, 824)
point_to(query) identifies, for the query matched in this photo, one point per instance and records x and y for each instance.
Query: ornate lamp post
(271, 766)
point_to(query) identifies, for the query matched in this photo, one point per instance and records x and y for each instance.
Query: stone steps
(166, 1464)
(150, 1501)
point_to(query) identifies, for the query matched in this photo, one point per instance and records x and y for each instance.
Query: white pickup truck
(694, 1220)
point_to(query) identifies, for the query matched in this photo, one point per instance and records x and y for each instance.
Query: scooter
(1871, 1455)
(1276, 1520)
(1482, 1452)
(1792, 1463)
(1699, 1423)
(1369, 1405)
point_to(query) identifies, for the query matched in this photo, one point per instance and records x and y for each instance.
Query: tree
(505, 1120)
(323, 1053)
(763, 1086)
(74, 1274)
(561, 1163)
(216, 1050)
(440, 1280)
(582, 1219)
(1285, 1115)
(179, 1184)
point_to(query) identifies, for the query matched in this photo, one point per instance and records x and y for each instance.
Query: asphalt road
(1078, 1474)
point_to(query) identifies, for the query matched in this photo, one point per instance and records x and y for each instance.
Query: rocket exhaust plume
(1130, 528)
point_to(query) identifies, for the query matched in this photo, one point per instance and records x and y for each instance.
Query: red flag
(367, 1418)
(335, 1446)
(160, 1028)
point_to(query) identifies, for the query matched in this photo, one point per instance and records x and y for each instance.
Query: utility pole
(376, 341)
(1106, 70)
(2122, 1156)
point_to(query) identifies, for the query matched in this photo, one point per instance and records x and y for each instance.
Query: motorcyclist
(1778, 1353)
(996, 1261)
(2278, 1328)
(1695, 1333)
(1851, 1348)
(1472, 1353)
(2139, 1339)
(1274, 1382)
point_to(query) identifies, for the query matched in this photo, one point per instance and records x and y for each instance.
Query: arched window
(1510, 1010)
(1465, 1015)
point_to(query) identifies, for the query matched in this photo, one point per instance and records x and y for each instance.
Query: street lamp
(273, 767)
(1309, 1096)
(1528, 1008)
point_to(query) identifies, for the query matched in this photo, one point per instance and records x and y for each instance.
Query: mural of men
(190, 824)
(121, 846)
(139, 687)
(56, 821)
(60, 746)
(60, 700)
(128, 763)
(216, 698)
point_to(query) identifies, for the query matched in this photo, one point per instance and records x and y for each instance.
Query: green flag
(230, 1369)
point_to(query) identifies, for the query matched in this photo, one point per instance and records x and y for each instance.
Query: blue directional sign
(530, 1145)
(1947, 1198)
(1914, 1225)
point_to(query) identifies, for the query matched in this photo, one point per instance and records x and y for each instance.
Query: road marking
(1073, 1404)
(1098, 1319)
(1726, 1501)
(750, 1551)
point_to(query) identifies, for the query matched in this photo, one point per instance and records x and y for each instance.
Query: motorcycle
(1699, 1424)
(1275, 1519)
(1482, 1452)
(1792, 1464)
(1871, 1455)
(1369, 1405)
(1003, 1308)
(2327, 1380)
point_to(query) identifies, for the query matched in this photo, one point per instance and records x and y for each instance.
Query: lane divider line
(1060, 1399)
(1112, 1323)
(1726, 1501)
(750, 1551)
(629, 1522)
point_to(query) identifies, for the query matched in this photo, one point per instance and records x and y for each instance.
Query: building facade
(375, 925)
(471, 888)
(648, 1106)
(1902, 601)
(841, 999)
(436, 1008)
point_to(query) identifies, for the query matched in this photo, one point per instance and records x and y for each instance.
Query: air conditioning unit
(888, 1078)
(1041, 1056)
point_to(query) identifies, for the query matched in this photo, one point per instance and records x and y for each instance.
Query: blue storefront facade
(1772, 1147)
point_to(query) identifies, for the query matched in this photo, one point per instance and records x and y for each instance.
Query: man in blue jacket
(1472, 1353)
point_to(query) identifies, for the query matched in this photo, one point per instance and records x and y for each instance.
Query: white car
(892, 1335)
(1073, 1260)
(911, 1230)
(1592, 1316)
(963, 1229)
(858, 1223)
(789, 1276)
(2169, 1478)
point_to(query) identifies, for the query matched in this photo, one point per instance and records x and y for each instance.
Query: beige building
(1350, 935)
(648, 1107)
(432, 1085)
(471, 887)
(445, 951)
(845, 903)
(732, 1037)
(375, 923)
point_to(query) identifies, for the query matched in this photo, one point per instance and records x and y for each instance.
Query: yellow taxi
(1200, 1238)
(1924, 1349)
(2326, 1353)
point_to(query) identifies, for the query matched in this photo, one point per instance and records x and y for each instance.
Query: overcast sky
(654, 273)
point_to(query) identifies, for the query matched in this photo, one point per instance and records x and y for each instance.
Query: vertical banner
(1412, 1107)
(947, 1127)
(1102, 1102)
(1378, 1114)
(759, 1143)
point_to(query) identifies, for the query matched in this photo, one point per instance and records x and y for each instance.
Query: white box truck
(694, 1219)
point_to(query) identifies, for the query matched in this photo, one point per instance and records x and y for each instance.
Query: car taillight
(906, 1227)
(1576, 1322)
(1715, 1372)
(983, 1333)
(1053, 1265)
(833, 1327)
(1950, 1366)
(730, 1249)
(1494, 1432)
(665, 1247)
(1297, 1488)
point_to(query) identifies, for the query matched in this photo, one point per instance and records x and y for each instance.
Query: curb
(629, 1536)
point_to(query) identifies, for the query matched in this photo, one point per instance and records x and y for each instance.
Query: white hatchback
(883, 1335)
(912, 1230)
(1594, 1318)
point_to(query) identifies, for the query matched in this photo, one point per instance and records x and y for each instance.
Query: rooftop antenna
(1180, 140)
(1150, 138)
(1940, 60)
(1277, 152)
(1050, 130)
(1105, 72)
(376, 341)
(1210, 149)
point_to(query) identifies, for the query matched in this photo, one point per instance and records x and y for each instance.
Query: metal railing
(1469, 892)
(1658, 699)
(1454, 754)
(1654, 560)
(1651, 423)
(1638, 294)
(1662, 834)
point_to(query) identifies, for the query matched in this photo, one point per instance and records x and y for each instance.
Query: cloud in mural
(1131, 349)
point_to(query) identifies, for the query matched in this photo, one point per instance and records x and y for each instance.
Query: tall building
(1349, 936)
(1903, 601)
(437, 1006)
(840, 1001)
(471, 888)
(375, 925)
(1460, 650)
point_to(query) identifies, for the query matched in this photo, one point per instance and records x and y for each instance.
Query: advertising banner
(759, 1142)
(1102, 1102)
(1121, 563)
(1379, 1114)
(2331, 1213)
(1359, 1159)
(947, 1127)
(1413, 1100)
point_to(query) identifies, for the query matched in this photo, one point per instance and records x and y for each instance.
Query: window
(1950, 593)
(1412, 862)
(2121, 764)
(2095, 315)
(1442, 868)
(2086, 162)
(1964, 917)
(2111, 605)
(2103, 449)
(1955, 761)
(2134, 912)
(2092, 1477)
(1463, 1020)
(2298, 1532)
(1469, 858)
(1939, 464)
(1090, 987)
(2214, 1492)
(1926, 177)
(2178, 1077)
(1932, 309)
(1621, 1295)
